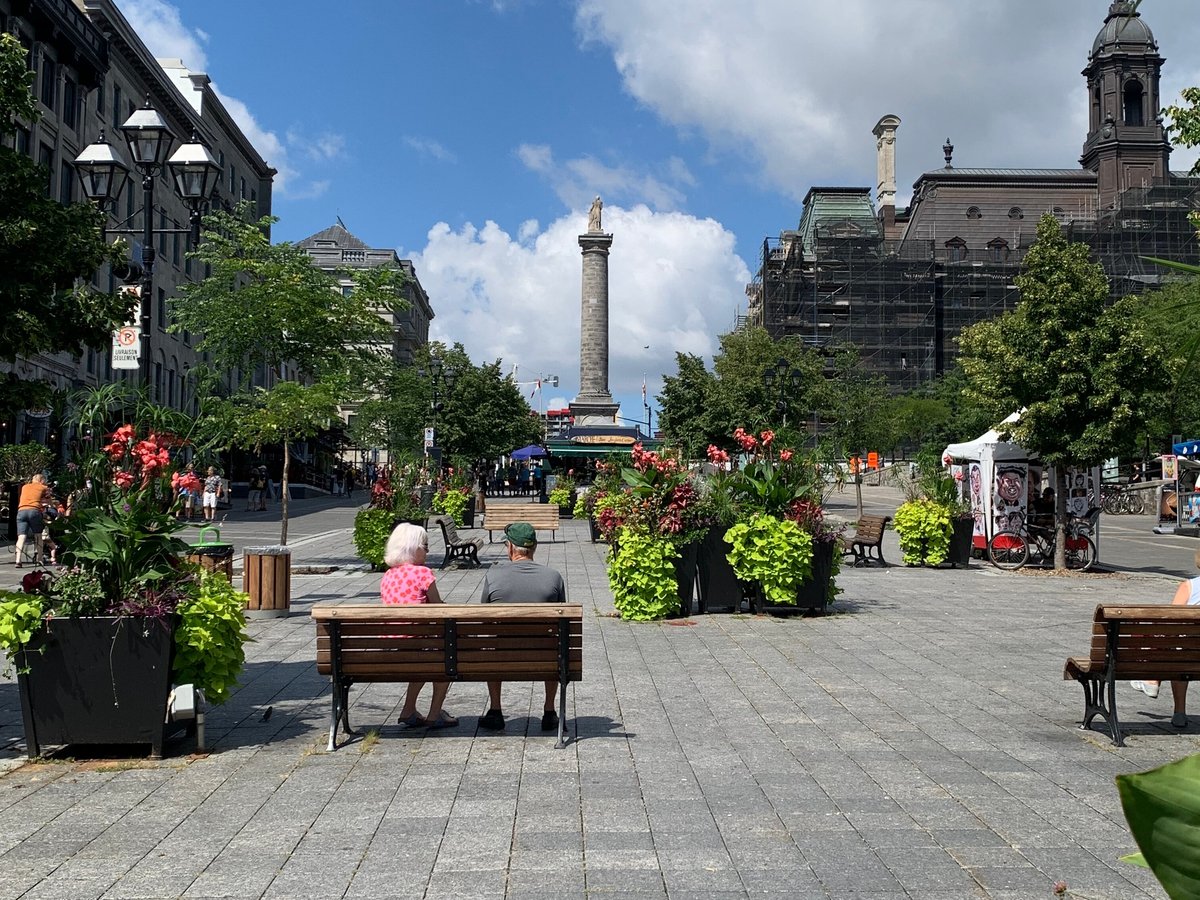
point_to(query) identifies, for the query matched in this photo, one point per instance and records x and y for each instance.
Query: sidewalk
(917, 743)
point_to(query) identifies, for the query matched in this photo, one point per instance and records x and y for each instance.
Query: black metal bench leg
(346, 708)
(1113, 723)
(334, 716)
(562, 718)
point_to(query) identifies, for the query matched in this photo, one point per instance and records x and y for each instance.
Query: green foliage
(925, 528)
(858, 409)
(1086, 378)
(452, 502)
(685, 407)
(775, 553)
(1162, 807)
(211, 636)
(642, 576)
(20, 462)
(372, 527)
(20, 619)
(584, 503)
(78, 592)
(561, 497)
(48, 251)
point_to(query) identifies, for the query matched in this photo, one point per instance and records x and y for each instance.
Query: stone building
(899, 285)
(92, 71)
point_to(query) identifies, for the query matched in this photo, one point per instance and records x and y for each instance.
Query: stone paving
(917, 743)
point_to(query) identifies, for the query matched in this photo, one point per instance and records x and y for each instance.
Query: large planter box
(812, 596)
(961, 542)
(685, 576)
(97, 680)
(718, 588)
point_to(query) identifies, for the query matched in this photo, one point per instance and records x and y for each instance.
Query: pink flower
(747, 441)
(716, 455)
(767, 436)
(785, 455)
(123, 480)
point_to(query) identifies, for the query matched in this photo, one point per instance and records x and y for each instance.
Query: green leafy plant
(452, 502)
(20, 462)
(925, 528)
(78, 593)
(642, 575)
(775, 553)
(20, 619)
(211, 635)
(561, 497)
(372, 527)
(583, 505)
(1162, 807)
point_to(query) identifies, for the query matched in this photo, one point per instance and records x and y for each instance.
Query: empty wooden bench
(457, 547)
(867, 537)
(542, 516)
(1138, 643)
(447, 642)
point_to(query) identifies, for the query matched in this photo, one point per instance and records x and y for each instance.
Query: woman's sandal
(444, 720)
(413, 721)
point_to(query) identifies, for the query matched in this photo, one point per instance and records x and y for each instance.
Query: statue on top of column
(594, 215)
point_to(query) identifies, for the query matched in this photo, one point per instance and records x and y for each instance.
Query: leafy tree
(395, 416)
(266, 306)
(857, 412)
(48, 251)
(1085, 378)
(685, 408)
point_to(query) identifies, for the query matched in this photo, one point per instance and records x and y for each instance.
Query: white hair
(406, 539)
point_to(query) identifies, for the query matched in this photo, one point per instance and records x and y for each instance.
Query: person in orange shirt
(30, 521)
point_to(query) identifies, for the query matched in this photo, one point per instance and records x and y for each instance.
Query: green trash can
(213, 554)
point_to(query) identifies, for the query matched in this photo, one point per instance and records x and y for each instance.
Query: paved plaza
(919, 742)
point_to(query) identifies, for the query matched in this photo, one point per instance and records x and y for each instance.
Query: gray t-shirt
(523, 581)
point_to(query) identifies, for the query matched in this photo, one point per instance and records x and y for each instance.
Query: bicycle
(1010, 550)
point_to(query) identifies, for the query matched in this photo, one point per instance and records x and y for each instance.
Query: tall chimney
(885, 168)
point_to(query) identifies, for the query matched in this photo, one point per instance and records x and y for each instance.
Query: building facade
(91, 72)
(898, 285)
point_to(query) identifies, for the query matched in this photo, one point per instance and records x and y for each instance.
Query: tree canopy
(49, 251)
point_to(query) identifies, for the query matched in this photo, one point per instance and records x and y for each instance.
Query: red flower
(123, 480)
(747, 441)
(124, 434)
(716, 455)
(785, 455)
(767, 437)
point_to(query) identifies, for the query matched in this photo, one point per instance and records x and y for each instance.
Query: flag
(537, 386)
(643, 390)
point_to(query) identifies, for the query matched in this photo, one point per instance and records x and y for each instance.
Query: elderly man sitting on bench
(521, 581)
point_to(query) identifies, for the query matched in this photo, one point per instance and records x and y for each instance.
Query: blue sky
(471, 136)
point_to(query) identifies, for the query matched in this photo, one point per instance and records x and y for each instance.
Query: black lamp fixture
(104, 174)
(781, 380)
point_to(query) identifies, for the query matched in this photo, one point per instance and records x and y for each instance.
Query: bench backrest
(870, 528)
(449, 642)
(536, 514)
(449, 530)
(1148, 641)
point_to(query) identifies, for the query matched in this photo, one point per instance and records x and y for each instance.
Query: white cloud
(429, 147)
(577, 181)
(674, 283)
(796, 88)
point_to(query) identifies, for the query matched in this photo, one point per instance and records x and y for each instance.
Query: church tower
(1127, 145)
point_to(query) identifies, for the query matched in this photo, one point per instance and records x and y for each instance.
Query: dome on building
(1123, 30)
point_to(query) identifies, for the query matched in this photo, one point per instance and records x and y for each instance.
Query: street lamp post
(439, 377)
(103, 174)
(781, 381)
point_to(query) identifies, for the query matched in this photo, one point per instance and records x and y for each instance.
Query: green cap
(521, 534)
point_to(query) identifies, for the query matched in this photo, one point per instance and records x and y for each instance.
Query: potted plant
(718, 588)
(97, 647)
(934, 525)
(564, 496)
(394, 499)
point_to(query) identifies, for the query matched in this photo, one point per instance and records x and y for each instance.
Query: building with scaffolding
(899, 285)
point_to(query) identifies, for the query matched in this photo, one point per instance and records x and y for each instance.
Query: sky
(472, 135)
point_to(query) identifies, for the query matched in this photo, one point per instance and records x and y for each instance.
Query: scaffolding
(902, 304)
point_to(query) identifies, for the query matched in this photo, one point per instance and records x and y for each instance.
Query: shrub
(775, 553)
(372, 527)
(642, 575)
(924, 528)
(210, 640)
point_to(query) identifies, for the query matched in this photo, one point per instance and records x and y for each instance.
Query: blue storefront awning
(1188, 448)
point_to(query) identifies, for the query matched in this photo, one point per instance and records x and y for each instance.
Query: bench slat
(463, 612)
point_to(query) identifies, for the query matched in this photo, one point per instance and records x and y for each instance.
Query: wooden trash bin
(211, 554)
(267, 578)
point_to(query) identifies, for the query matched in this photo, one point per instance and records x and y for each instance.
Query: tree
(857, 412)
(685, 408)
(266, 306)
(394, 418)
(48, 251)
(1085, 378)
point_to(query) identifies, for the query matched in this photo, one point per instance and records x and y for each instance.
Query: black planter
(593, 529)
(813, 595)
(961, 542)
(685, 576)
(718, 588)
(469, 513)
(97, 680)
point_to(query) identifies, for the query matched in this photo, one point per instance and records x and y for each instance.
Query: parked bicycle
(1125, 499)
(1012, 549)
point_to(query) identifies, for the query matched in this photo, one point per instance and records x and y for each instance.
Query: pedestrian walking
(212, 488)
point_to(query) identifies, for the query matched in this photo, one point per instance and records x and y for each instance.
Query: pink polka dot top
(405, 585)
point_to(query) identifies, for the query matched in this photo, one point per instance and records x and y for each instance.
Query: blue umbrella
(533, 451)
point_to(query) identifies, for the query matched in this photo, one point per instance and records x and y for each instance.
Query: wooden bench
(868, 536)
(542, 516)
(447, 642)
(466, 549)
(1139, 643)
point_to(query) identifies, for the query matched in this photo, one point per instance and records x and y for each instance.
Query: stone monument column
(594, 405)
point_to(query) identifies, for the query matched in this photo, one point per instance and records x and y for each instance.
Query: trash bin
(212, 554)
(267, 578)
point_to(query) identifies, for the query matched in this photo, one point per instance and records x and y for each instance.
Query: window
(158, 381)
(242, 192)
(162, 309)
(91, 361)
(1133, 105)
(66, 184)
(998, 250)
(974, 213)
(70, 108)
(116, 109)
(175, 249)
(129, 192)
(956, 249)
(187, 264)
(21, 141)
(1016, 213)
(232, 178)
(49, 80)
(46, 158)
(162, 234)
(100, 99)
